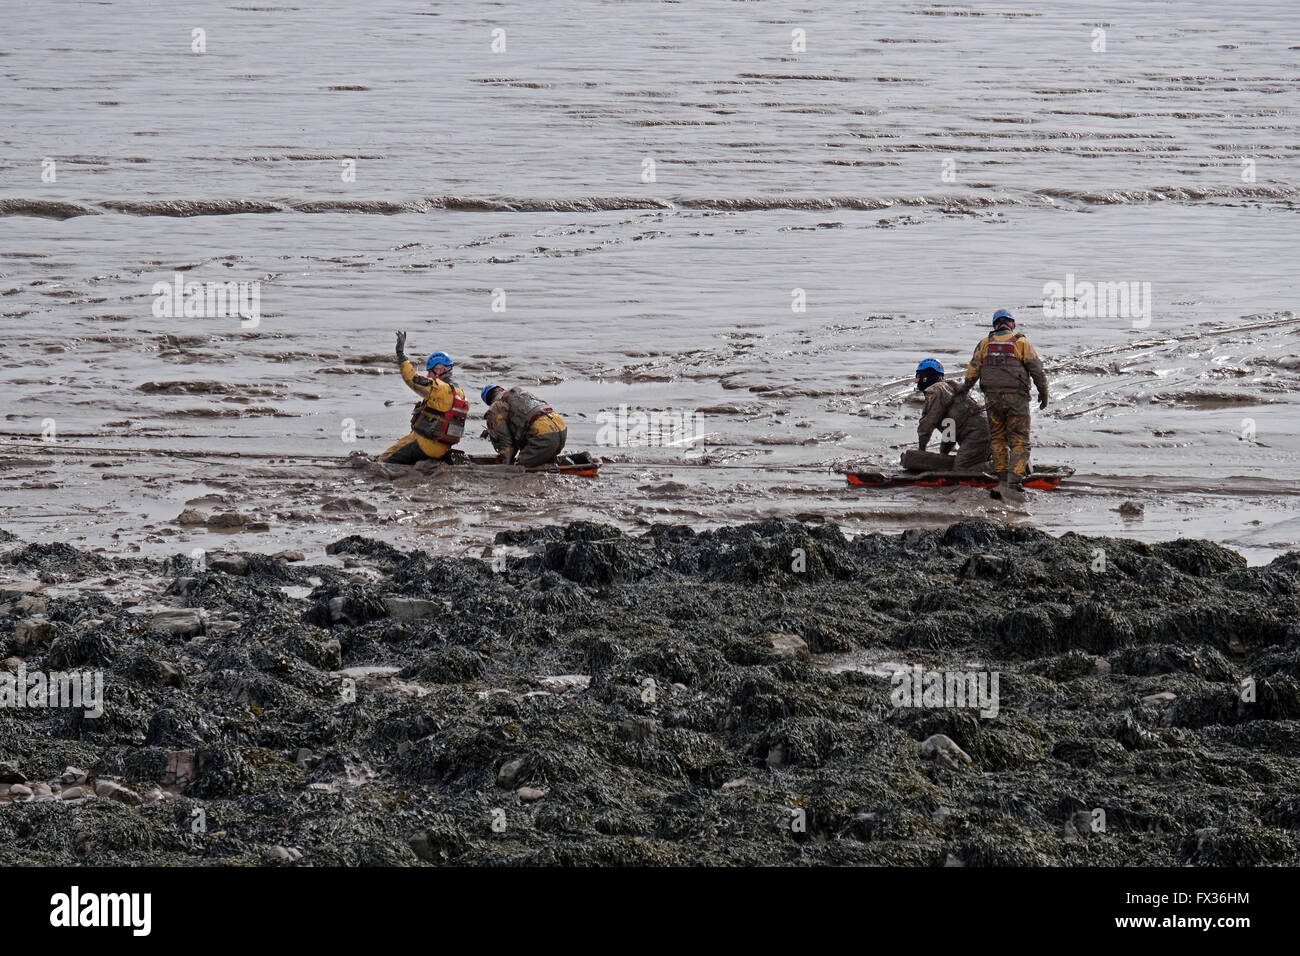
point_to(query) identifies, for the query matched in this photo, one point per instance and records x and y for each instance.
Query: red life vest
(1002, 353)
(447, 427)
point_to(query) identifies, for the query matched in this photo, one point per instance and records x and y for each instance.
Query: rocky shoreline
(585, 696)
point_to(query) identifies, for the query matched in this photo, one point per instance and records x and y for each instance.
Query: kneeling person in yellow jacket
(523, 429)
(438, 421)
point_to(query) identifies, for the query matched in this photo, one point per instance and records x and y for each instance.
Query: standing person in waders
(1004, 363)
(438, 421)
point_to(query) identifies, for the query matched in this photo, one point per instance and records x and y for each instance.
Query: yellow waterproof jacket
(439, 395)
(1006, 362)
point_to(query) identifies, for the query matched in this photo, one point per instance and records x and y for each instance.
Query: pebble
(19, 791)
(235, 564)
(529, 794)
(228, 519)
(34, 630)
(1161, 698)
(1132, 509)
(169, 675)
(179, 622)
(941, 747)
(116, 791)
(74, 793)
(290, 556)
(564, 683)
(985, 566)
(509, 773)
(790, 646)
(73, 775)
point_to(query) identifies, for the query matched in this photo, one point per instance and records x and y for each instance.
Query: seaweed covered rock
(663, 697)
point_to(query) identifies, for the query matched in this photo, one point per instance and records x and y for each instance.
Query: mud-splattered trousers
(439, 394)
(524, 430)
(1009, 428)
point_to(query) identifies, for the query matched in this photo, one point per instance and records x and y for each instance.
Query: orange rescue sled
(582, 464)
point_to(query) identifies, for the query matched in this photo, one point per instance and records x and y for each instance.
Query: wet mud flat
(588, 696)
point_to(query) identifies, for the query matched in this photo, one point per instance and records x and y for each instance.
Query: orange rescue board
(944, 479)
(563, 466)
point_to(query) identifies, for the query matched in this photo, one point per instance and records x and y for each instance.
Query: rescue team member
(523, 429)
(958, 416)
(438, 421)
(1004, 363)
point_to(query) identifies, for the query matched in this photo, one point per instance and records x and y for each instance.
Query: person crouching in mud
(522, 428)
(959, 418)
(438, 421)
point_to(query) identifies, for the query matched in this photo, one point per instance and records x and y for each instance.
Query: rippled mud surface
(584, 696)
(911, 169)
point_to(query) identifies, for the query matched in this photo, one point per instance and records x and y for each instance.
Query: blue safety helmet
(928, 372)
(438, 358)
(1001, 314)
(487, 391)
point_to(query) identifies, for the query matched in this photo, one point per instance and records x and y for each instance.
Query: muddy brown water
(525, 171)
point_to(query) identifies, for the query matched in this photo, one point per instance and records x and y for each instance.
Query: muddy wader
(1004, 363)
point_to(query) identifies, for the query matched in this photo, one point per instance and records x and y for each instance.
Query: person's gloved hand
(945, 448)
(1042, 400)
(401, 346)
(962, 388)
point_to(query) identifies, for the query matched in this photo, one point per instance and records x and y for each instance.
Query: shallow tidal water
(911, 170)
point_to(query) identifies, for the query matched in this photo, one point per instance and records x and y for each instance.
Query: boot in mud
(1008, 487)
